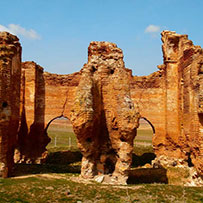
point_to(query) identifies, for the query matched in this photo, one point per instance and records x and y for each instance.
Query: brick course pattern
(104, 103)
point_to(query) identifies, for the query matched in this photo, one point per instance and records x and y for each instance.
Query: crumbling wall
(44, 97)
(104, 102)
(171, 99)
(190, 59)
(59, 94)
(182, 61)
(103, 115)
(31, 138)
(10, 73)
(148, 94)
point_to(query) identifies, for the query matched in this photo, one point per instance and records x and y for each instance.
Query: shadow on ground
(64, 157)
(56, 162)
(145, 158)
(147, 175)
(70, 162)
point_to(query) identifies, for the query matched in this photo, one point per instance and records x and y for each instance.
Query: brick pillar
(10, 72)
(172, 106)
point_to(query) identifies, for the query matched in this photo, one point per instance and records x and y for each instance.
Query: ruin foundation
(104, 103)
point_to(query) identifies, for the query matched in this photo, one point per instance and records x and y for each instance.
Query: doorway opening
(142, 170)
(61, 133)
(143, 148)
(63, 150)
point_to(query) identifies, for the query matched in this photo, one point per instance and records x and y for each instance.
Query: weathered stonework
(103, 115)
(104, 103)
(31, 132)
(171, 100)
(44, 97)
(10, 72)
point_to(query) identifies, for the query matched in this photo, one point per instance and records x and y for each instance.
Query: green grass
(142, 154)
(144, 135)
(65, 138)
(58, 179)
(62, 138)
(61, 188)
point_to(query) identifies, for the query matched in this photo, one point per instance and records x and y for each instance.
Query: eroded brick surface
(103, 116)
(10, 72)
(104, 102)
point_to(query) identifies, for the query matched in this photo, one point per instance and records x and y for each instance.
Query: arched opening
(143, 148)
(63, 152)
(60, 131)
(143, 142)
(142, 170)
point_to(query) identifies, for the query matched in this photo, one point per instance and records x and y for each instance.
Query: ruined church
(104, 103)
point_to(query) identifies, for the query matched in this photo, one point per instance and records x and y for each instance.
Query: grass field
(63, 139)
(58, 180)
(63, 136)
(44, 188)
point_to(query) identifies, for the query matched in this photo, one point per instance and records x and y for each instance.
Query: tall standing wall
(10, 73)
(171, 99)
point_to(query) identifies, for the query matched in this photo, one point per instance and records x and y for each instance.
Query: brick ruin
(10, 77)
(104, 103)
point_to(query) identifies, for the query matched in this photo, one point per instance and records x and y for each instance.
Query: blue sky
(56, 33)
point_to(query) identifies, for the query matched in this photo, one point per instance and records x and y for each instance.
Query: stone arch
(143, 152)
(153, 128)
(62, 131)
(57, 117)
(148, 125)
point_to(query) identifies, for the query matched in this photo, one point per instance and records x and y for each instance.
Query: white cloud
(152, 29)
(18, 30)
